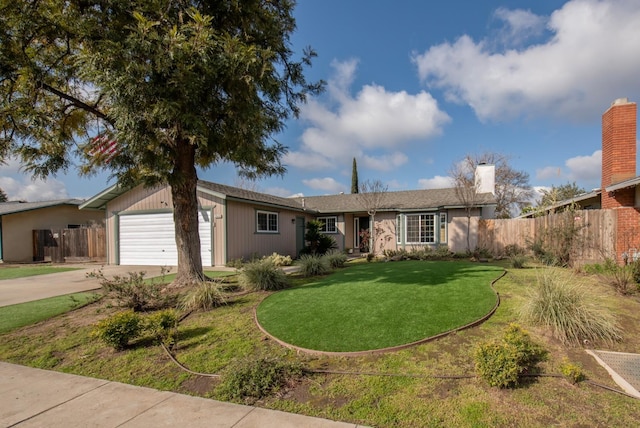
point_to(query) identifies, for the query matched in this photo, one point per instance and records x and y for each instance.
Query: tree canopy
(513, 191)
(177, 84)
(3, 196)
(562, 192)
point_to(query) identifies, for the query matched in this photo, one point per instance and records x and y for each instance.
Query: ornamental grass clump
(263, 275)
(312, 265)
(336, 258)
(569, 310)
(203, 297)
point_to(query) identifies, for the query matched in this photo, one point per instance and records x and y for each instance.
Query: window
(420, 228)
(329, 224)
(267, 222)
(443, 228)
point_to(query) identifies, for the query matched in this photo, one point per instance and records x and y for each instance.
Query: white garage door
(148, 239)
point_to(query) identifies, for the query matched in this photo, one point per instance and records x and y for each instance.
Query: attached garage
(149, 239)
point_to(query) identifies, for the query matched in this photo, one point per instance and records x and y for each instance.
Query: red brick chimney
(618, 152)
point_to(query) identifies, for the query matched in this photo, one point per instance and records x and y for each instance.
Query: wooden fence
(70, 245)
(595, 233)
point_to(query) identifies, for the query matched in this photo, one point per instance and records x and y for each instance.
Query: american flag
(103, 148)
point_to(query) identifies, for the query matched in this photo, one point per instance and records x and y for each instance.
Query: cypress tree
(354, 177)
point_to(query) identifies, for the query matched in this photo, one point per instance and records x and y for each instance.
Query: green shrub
(573, 372)
(235, 263)
(311, 265)
(513, 250)
(441, 252)
(569, 310)
(501, 362)
(599, 268)
(162, 325)
(249, 380)
(621, 278)
(336, 258)
(203, 297)
(370, 257)
(263, 275)
(278, 260)
(132, 292)
(518, 261)
(118, 329)
(318, 243)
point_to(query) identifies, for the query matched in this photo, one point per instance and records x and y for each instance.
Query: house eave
(634, 182)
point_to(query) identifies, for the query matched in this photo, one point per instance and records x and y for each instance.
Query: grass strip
(379, 305)
(21, 314)
(24, 271)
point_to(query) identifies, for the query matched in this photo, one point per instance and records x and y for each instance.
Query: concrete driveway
(38, 287)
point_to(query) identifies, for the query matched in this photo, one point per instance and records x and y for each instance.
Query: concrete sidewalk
(38, 398)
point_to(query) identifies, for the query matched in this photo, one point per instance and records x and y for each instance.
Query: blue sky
(415, 86)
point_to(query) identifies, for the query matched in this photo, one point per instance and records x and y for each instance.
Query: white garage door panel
(148, 239)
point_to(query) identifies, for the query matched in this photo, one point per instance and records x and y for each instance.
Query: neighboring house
(620, 188)
(237, 223)
(18, 220)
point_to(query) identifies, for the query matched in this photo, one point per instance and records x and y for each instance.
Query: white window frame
(270, 215)
(443, 228)
(324, 222)
(422, 218)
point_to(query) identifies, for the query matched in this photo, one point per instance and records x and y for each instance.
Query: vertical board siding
(595, 241)
(242, 239)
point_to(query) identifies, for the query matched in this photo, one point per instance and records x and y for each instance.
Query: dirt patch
(199, 385)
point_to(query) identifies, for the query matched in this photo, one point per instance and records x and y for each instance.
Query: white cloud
(589, 60)
(520, 25)
(396, 185)
(29, 190)
(326, 184)
(437, 182)
(548, 173)
(279, 191)
(20, 187)
(346, 125)
(385, 162)
(585, 167)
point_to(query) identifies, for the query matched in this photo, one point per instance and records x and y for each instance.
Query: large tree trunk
(184, 181)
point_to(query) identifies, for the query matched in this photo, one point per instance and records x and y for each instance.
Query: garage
(148, 239)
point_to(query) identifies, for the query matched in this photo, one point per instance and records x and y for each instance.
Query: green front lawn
(379, 305)
(19, 315)
(30, 270)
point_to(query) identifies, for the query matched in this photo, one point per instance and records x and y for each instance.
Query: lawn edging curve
(387, 349)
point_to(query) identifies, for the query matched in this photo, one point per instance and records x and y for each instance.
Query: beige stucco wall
(17, 229)
(458, 230)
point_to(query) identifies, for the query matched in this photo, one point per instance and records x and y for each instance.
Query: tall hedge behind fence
(596, 236)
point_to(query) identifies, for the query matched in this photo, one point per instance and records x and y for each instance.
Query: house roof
(408, 200)
(15, 207)
(578, 198)
(235, 193)
(633, 182)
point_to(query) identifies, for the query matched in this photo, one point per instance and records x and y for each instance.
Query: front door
(299, 235)
(362, 233)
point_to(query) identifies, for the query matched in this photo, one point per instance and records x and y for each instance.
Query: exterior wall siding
(243, 240)
(458, 230)
(385, 232)
(17, 235)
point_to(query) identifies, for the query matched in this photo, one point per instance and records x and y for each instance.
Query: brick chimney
(618, 152)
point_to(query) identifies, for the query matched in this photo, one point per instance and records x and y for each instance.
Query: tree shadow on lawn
(410, 272)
